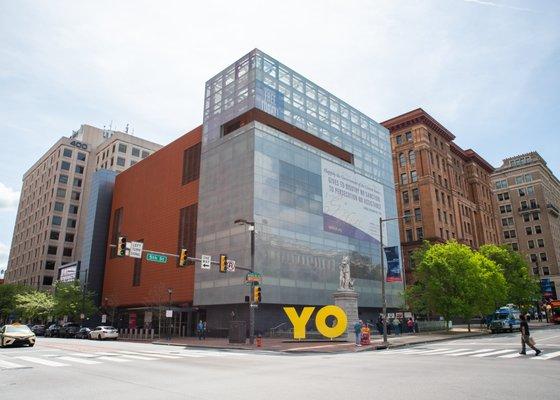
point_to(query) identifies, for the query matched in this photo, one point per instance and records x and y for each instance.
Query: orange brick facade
(151, 195)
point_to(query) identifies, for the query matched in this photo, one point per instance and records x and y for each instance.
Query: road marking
(469, 352)
(514, 355)
(83, 355)
(79, 360)
(432, 351)
(547, 356)
(10, 365)
(115, 359)
(143, 354)
(107, 354)
(138, 357)
(493, 353)
(548, 338)
(452, 351)
(42, 361)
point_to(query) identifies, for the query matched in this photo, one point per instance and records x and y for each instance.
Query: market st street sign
(158, 258)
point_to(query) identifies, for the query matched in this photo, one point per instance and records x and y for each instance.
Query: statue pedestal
(347, 299)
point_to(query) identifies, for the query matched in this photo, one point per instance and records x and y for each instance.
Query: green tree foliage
(70, 300)
(35, 305)
(522, 288)
(8, 293)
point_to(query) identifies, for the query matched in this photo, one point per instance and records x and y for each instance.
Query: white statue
(346, 282)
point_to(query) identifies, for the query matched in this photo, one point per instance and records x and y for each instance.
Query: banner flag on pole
(393, 264)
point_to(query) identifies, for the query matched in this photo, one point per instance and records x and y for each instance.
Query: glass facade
(310, 209)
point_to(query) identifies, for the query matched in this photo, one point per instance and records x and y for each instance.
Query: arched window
(412, 157)
(402, 160)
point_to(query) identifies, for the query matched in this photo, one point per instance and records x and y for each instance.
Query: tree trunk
(469, 325)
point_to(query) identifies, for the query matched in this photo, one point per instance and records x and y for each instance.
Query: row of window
(65, 166)
(411, 158)
(407, 136)
(503, 183)
(55, 235)
(57, 221)
(415, 196)
(66, 252)
(531, 243)
(61, 193)
(64, 179)
(419, 234)
(68, 154)
(413, 177)
(58, 206)
(417, 215)
(545, 271)
(542, 257)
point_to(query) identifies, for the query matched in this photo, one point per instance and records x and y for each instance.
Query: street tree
(522, 288)
(72, 300)
(35, 305)
(8, 293)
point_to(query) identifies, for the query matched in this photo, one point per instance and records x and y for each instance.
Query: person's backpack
(410, 324)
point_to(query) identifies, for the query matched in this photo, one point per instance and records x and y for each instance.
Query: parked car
(38, 330)
(53, 331)
(83, 333)
(505, 319)
(104, 332)
(16, 334)
(69, 330)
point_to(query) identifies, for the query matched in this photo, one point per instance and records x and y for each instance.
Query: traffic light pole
(252, 306)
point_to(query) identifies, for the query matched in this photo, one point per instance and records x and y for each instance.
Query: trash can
(237, 332)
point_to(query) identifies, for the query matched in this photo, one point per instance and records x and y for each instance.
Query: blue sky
(488, 70)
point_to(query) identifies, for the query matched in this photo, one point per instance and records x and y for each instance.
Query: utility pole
(252, 305)
(170, 292)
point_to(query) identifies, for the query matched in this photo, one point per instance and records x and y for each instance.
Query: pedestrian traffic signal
(223, 263)
(257, 294)
(121, 246)
(183, 259)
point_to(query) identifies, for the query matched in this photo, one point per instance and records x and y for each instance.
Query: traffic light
(223, 263)
(257, 294)
(183, 259)
(121, 246)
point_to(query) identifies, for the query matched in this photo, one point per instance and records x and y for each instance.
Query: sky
(488, 70)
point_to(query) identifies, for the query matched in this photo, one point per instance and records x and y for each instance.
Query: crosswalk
(69, 359)
(484, 353)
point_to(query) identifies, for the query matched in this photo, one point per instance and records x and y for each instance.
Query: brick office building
(444, 191)
(155, 202)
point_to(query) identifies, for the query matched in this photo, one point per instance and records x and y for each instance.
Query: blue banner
(393, 264)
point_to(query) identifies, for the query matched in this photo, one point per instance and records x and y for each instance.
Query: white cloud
(492, 4)
(4, 253)
(8, 198)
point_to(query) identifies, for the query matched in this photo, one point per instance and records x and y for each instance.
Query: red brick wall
(151, 195)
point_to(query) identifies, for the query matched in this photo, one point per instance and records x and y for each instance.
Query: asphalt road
(482, 368)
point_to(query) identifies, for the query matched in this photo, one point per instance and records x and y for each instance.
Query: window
(73, 209)
(533, 257)
(47, 280)
(58, 206)
(121, 161)
(77, 182)
(505, 209)
(506, 235)
(52, 250)
(514, 246)
(417, 214)
(437, 195)
(531, 244)
(56, 220)
(536, 216)
(63, 178)
(79, 169)
(535, 270)
(503, 196)
(408, 136)
(402, 160)
(60, 192)
(117, 225)
(75, 195)
(538, 229)
(512, 234)
(439, 214)
(49, 264)
(409, 237)
(65, 165)
(145, 154)
(540, 242)
(136, 152)
(132, 162)
(405, 198)
(67, 252)
(412, 157)
(419, 233)
(191, 164)
(545, 271)
(71, 223)
(528, 177)
(399, 139)
(530, 190)
(67, 153)
(406, 215)
(413, 176)
(69, 237)
(523, 205)
(501, 184)
(521, 192)
(528, 230)
(122, 148)
(404, 179)
(187, 229)
(526, 217)
(543, 257)
(415, 194)
(81, 156)
(54, 235)
(445, 217)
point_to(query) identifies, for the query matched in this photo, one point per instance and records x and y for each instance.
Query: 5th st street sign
(158, 258)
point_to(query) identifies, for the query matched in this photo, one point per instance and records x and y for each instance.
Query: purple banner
(393, 264)
(335, 225)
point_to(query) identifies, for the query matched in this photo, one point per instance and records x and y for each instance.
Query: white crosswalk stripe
(42, 361)
(79, 360)
(150, 354)
(546, 356)
(492, 353)
(464, 353)
(514, 355)
(131, 356)
(114, 359)
(9, 365)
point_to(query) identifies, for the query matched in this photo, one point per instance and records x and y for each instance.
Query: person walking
(204, 330)
(199, 329)
(358, 332)
(410, 325)
(397, 326)
(526, 338)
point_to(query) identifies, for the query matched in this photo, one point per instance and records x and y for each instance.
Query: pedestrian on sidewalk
(204, 330)
(526, 338)
(358, 332)
(379, 324)
(199, 329)
(410, 325)
(397, 326)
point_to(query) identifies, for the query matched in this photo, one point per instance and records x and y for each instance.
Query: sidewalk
(336, 346)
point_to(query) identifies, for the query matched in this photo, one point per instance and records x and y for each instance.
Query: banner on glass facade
(393, 264)
(269, 99)
(352, 203)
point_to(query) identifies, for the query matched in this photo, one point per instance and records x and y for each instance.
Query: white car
(104, 332)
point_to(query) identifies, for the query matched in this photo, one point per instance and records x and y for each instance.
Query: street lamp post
(169, 292)
(383, 296)
(251, 225)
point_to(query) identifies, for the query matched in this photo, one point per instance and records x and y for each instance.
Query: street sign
(158, 258)
(230, 266)
(136, 249)
(253, 277)
(104, 319)
(390, 315)
(82, 316)
(205, 261)
(169, 313)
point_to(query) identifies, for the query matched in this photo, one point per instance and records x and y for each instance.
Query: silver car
(104, 332)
